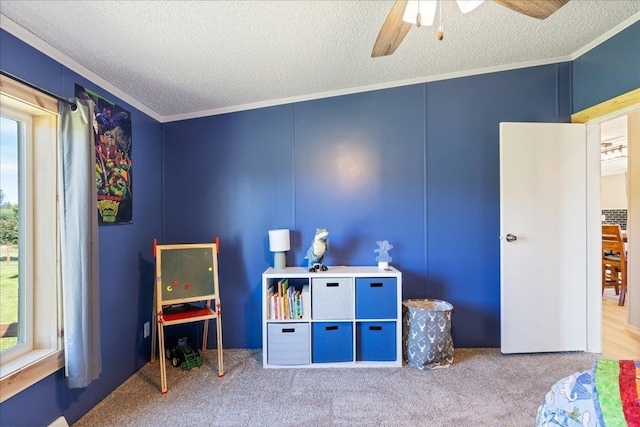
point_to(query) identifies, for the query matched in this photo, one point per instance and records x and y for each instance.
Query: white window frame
(46, 356)
(25, 218)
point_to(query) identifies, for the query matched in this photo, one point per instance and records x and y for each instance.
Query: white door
(543, 232)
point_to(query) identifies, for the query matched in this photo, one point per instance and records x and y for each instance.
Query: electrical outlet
(147, 331)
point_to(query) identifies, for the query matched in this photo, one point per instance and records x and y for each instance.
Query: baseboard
(59, 422)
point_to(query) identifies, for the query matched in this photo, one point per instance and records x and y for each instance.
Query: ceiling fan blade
(392, 32)
(540, 9)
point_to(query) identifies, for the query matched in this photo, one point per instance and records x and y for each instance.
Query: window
(16, 290)
(30, 311)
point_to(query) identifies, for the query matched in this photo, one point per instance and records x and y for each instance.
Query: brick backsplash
(615, 216)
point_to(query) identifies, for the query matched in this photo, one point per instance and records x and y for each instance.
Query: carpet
(481, 388)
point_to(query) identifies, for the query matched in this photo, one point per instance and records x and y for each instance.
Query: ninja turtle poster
(112, 127)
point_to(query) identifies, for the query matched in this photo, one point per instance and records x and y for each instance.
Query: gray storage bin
(288, 344)
(332, 298)
(426, 333)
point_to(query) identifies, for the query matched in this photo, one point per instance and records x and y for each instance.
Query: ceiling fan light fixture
(426, 9)
(468, 5)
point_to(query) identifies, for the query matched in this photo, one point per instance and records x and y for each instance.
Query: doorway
(627, 104)
(614, 204)
(620, 335)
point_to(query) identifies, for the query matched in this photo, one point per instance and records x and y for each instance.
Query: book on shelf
(306, 302)
(286, 302)
(271, 303)
(282, 285)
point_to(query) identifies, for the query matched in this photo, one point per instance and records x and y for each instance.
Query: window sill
(24, 371)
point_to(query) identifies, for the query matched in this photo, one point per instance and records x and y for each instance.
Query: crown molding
(368, 88)
(37, 43)
(42, 46)
(606, 36)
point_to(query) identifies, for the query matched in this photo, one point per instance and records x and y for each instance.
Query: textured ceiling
(188, 58)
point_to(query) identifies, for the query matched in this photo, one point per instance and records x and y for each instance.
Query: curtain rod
(73, 105)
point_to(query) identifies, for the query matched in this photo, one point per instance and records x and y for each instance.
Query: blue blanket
(606, 396)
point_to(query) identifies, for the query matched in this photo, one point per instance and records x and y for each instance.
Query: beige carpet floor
(482, 388)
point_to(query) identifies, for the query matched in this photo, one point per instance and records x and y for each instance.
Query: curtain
(79, 244)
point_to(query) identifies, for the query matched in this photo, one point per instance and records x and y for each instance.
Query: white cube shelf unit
(342, 317)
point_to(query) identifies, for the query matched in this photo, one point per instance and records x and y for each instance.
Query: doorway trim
(617, 105)
(595, 115)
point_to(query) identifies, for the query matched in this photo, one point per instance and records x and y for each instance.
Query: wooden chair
(614, 261)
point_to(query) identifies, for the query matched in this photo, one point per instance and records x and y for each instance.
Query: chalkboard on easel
(186, 272)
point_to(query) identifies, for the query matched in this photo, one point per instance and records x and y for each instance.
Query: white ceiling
(613, 133)
(614, 130)
(182, 59)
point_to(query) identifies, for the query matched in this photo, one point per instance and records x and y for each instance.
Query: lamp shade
(279, 240)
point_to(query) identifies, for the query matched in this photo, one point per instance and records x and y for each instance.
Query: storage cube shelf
(342, 317)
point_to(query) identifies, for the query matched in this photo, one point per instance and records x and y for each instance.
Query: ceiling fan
(404, 14)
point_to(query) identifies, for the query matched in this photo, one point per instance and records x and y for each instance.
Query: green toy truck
(183, 355)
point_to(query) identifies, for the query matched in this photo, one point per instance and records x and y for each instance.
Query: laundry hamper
(426, 333)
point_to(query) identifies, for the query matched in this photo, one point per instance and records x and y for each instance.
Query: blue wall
(415, 165)
(126, 258)
(608, 70)
(230, 176)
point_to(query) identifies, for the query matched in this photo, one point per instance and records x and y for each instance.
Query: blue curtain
(79, 244)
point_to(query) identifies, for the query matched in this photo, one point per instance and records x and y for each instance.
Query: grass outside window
(8, 293)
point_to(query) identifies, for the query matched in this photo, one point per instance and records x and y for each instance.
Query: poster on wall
(112, 127)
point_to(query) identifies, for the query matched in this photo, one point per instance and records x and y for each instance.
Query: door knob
(511, 237)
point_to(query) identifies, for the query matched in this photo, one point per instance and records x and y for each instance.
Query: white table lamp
(279, 243)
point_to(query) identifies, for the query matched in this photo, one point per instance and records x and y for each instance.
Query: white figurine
(319, 246)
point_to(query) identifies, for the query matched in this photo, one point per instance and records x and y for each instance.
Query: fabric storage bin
(331, 342)
(288, 344)
(376, 298)
(376, 341)
(426, 333)
(332, 298)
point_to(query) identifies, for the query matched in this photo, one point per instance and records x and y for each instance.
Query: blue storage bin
(332, 342)
(376, 341)
(376, 298)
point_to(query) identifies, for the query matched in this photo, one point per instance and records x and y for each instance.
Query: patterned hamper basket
(426, 334)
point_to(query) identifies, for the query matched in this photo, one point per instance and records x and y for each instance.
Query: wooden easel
(186, 274)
